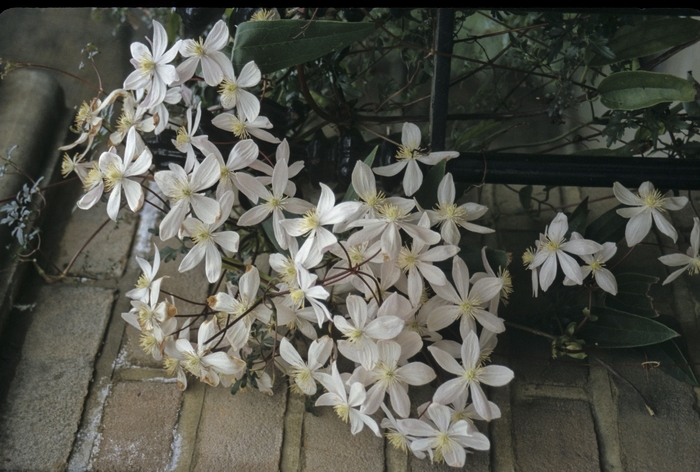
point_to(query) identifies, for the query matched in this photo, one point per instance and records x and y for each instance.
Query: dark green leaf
(270, 233)
(617, 329)
(475, 135)
(648, 37)
(633, 90)
(632, 295)
(275, 45)
(472, 257)
(672, 360)
(525, 196)
(579, 217)
(350, 193)
(427, 194)
(607, 227)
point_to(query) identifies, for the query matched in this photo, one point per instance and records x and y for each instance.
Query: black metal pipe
(441, 78)
(575, 170)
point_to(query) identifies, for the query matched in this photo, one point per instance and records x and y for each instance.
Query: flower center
(407, 152)
(146, 64)
(198, 47)
(694, 266)
(93, 178)
(596, 266)
(450, 211)
(149, 343)
(202, 235)
(507, 288)
(182, 137)
(125, 121)
(528, 257)
(113, 176)
(228, 88)
(653, 200)
(407, 259)
(239, 130)
(310, 221)
(374, 200)
(391, 212)
(83, 120)
(68, 164)
(297, 296)
(554, 246)
(343, 411)
(170, 364)
(467, 307)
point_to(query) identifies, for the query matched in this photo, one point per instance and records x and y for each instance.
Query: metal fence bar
(575, 170)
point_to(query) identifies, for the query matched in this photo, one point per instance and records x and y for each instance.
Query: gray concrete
(44, 404)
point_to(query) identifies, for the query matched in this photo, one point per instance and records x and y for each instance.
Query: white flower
(215, 64)
(275, 201)
(595, 265)
(554, 247)
(469, 375)
(206, 238)
(649, 204)
(361, 332)
(449, 215)
(447, 439)
(281, 154)
(408, 154)
(147, 282)
(465, 303)
(308, 290)
(325, 213)
(691, 261)
(243, 128)
(233, 95)
(304, 374)
(186, 138)
(183, 190)
(152, 69)
(116, 173)
(343, 404)
(132, 116)
(387, 376)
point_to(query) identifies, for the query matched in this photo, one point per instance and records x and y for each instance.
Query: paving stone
(45, 401)
(241, 432)
(106, 255)
(669, 439)
(554, 435)
(138, 427)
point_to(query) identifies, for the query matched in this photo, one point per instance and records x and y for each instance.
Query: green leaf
(618, 329)
(275, 45)
(350, 194)
(525, 196)
(671, 354)
(472, 257)
(474, 136)
(427, 194)
(270, 233)
(579, 217)
(672, 361)
(641, 89)
(607, 227)
(633, 295)
(648, 37)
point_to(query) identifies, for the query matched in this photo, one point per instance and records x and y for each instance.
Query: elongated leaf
(641, 89)
(649, 37)
(578, 218)
(633, 294)
(475, 135)
(472, 257)
(671, 354)
(617, 329)
(275, 45)
(622, 151)
(350, 193)
(427, 194)
(607, 227)
(524, 195)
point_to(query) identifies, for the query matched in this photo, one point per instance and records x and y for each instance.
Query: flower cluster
(367, 270)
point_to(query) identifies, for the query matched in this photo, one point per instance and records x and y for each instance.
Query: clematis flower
(215, 64)
(152, 68)
(186, 139)
(469, 375)
(281, 154)
(690, 260)
(344, 404)
(206, 239)
(449, 216)
(183, 190)
(233, 93)
(595, 265)
(244, 128)
(464, 303)
(116, 172)
(447, 439)
(132, 116)
(554, 247)
(387, 376)
(648, 204)
(408, 156)
(147, 281)
(306, 374)
(88, 121)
